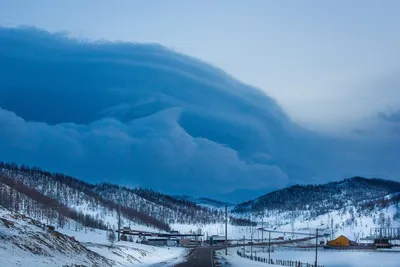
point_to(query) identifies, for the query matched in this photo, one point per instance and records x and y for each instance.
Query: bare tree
(111, 236)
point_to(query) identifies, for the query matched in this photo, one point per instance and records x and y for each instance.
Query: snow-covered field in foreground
(128, 253)
(132, 254)
(327, 258)
(25, 242)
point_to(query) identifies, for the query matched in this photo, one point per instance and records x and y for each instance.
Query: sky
(329, 64)
(211, 99)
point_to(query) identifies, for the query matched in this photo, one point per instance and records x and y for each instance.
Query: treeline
(320, 199)
(241, 222)
(163, 207)
(383, 202)
(15, 196)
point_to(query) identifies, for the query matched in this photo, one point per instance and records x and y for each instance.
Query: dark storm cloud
(143, 115)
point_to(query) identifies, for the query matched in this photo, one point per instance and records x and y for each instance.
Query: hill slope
(96, 206)
(27, 242)
(322, 198)
(351, 207)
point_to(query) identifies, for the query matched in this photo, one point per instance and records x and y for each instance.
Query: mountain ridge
(362, 189)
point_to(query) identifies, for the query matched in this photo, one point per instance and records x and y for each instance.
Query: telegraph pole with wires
(316, 249)
(119, 222)
(251, 236)
(226, 230)
(316, 246)
(262, 231)
(269, 247)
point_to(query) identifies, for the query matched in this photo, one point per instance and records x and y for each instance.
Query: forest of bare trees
(59, 196)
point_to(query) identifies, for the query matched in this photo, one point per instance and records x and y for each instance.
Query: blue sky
(311, 56)
(183, 115)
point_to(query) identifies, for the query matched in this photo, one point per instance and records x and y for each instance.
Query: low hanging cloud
(151, 151)
(141, 115)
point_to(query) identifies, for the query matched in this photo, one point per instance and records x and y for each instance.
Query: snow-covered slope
(68, 196)
(350, 207)
(97, 206)
(27, 242)
(161, 206)
(206, 202)
(322, 198)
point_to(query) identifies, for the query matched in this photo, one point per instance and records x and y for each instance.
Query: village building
(341, 241)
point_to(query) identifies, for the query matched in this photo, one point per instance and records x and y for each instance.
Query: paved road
(198, 257)
(203, 256)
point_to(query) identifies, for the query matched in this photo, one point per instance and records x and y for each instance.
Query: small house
(341, 241)
(215, 239)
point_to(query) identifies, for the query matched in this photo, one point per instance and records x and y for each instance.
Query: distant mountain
(204, 201)
(60, 199)
(322, 198)
(352, 207)
(161, 206)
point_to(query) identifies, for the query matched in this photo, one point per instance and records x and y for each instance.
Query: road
(203, 256)
(198, 257)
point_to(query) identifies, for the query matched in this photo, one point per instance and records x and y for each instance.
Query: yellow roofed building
(341, 241)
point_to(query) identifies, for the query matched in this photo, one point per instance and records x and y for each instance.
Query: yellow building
(341, 241)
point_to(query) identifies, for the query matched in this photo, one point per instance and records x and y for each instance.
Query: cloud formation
(142, 115)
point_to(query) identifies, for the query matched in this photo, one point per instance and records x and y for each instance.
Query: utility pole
(119, 221)
(269, 247)
(316, 249)
(226, 230)
(251, 243)
(262, 231)
(244, 242)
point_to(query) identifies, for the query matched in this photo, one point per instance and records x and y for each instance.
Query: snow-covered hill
(322, 198)
(30, 243)
(350, 207)
(96, 206)
(161, 206)
(206, 202)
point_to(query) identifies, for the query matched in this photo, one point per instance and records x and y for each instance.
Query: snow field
(327, 258)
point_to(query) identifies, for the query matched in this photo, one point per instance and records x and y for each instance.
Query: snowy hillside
(96, 206)
(350, 207)
(322, 198)
(28, 242)
(161, 206)
(206, 202)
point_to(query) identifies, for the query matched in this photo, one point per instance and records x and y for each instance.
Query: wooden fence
(278, 262)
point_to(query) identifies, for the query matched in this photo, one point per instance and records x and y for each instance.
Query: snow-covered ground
(26, 242)
(234, 260)
(327, 258)
(132, 254)
(350, 224)
(127, 253)
(234, 232)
